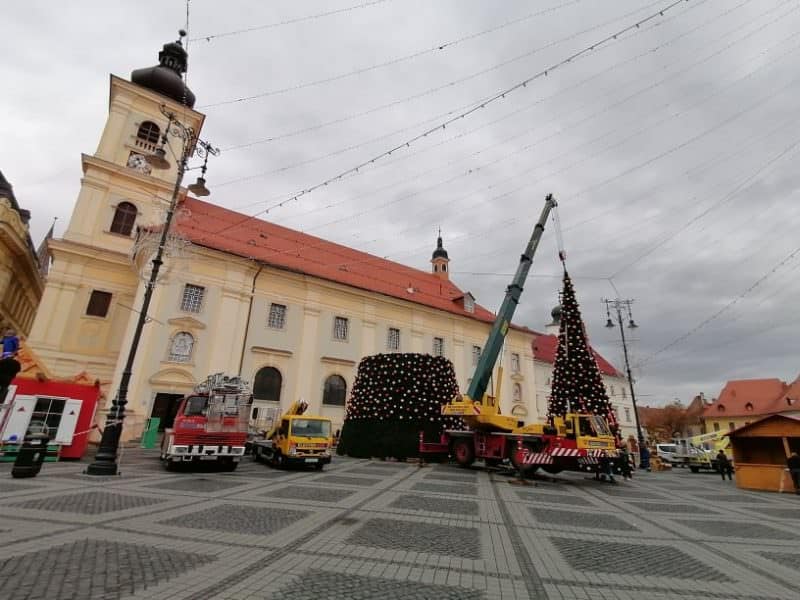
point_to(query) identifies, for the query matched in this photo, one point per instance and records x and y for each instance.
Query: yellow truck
(295, 440)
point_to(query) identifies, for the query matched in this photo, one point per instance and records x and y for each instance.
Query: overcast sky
(672, 150)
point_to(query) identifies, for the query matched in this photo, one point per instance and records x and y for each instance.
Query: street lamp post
(618, 306)
(105, 461)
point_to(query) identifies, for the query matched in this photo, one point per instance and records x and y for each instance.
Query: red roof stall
(80, 407)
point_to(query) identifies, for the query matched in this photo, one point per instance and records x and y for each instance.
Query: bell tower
(92, 284)
(440, 261)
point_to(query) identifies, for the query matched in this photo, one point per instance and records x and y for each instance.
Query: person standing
(10, 344)
(625, 463)
(724, 465)
(793, 464)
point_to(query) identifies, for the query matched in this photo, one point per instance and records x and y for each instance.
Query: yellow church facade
(292, 313)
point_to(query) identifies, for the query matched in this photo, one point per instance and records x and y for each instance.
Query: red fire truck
(211, 424)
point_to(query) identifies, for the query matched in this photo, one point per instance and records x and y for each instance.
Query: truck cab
(297, 440)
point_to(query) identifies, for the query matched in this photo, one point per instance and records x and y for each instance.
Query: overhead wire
(498, 96)
(391, 62)
(292, 21)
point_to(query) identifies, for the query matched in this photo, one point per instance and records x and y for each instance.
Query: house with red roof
(545, 346)
(743, 401)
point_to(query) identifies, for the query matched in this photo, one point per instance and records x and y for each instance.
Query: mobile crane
(574, 442)
(296, 439)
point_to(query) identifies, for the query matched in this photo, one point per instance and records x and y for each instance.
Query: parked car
(667, 453)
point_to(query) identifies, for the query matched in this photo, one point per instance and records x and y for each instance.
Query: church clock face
(138, 162)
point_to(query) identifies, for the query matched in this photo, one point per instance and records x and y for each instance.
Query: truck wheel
(694, 469)
(318, 466)
(464, 452)
(531, 448)
(552, 469)
(277, 460)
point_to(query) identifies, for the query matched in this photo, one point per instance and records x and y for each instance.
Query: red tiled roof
(761, 420)
(745, 397)
(545, 347)
(295, 251)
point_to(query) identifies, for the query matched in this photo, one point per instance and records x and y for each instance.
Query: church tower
(440, 261)
(92, 284)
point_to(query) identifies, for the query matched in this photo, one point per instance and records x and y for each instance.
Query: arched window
(180, 350)
(124, 218)
(517, 392)
(335, 391)
(148, 132)
(267, 384)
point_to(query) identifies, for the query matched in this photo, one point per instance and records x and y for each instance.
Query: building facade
(744, 401)
(292, 313)
(21, 281)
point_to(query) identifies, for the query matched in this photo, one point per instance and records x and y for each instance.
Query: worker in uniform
(725, 466)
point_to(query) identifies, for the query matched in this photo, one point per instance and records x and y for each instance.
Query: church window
(124, 218)
(335, 391)
(192, 300)
(98, 303)
(476, 355)
(515, 362)
(444, 268)
(148, 132)
(277, 316)
(340, 328)
(180, 350)
(627, 415)
(267, 384)
(393, 339)
(438, 346)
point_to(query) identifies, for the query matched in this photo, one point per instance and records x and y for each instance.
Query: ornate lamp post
(618, 306)
(105, 461)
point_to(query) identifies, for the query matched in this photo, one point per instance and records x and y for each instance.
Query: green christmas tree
(577, 383)
(394, 398)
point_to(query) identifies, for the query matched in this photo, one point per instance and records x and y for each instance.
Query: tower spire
(440, 260)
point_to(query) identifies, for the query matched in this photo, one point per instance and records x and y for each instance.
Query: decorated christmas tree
(394, 398)
(577, 384)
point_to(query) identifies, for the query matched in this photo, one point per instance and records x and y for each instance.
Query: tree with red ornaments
(577, 384)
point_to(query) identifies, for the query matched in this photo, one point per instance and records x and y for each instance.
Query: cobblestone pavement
(369, 529)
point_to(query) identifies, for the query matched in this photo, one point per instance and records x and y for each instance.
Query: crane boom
(494, 343)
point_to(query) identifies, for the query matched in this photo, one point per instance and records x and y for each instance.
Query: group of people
(607, 465)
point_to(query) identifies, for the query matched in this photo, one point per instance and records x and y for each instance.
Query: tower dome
(440, 252)
(166, 77)
(556, 313)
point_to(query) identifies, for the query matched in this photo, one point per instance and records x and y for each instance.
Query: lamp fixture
(198, 188)
(158, 159)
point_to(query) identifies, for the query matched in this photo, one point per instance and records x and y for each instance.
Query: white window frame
(192, 298)
(516, 365)
(341, 329)
(476, 355)
(627, 414)
(393, 339)
(277, 316)
(438, 346)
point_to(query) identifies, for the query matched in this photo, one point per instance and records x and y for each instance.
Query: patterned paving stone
(344, 480)
(786, 559)
(631, 492)
(538, 496)
(314, 585)
(453, 477)
(418, 537)
(779, 513)
(89, 503)
(7, 487)
(436, 504)
(379, 471)
(723, 497)
(674, 508)
(738, 529)
(587, 520)
(92, 569)
(315, 494)
(239, 519)
(462, 489)
(634, 559)
(199, 485)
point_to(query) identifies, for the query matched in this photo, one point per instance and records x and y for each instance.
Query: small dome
(556, 312)
(165, 78)
(440, 252)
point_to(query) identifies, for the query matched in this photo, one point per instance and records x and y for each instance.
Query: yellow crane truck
(296, 439)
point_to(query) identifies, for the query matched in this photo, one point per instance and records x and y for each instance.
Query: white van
(667, 452)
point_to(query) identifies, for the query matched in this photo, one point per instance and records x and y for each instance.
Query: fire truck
(575, 442)
(211, 424)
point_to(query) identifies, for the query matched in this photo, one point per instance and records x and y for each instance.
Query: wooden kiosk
(760, 450)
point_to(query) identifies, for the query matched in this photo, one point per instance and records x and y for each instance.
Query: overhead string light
(441, 126)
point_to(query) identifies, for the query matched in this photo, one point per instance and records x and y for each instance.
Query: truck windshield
(195, 406)
(600, 425)
(311, 428)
